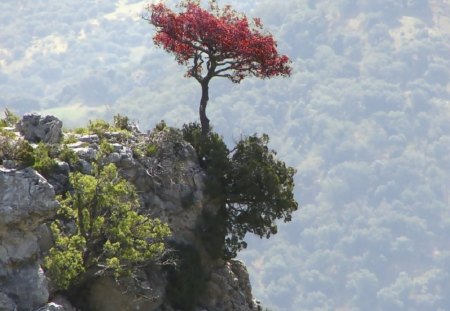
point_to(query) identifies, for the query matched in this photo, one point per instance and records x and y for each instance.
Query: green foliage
(17, 149)
(65, 259)
(70, 139)
(187, 279)
(161, 126)
(252, 186)
(111, 236)
(43, 163)
(68, 155)
(81, 130)
(10, 119)
(145, 150)
(105, 148)
(98, 127)
(212, 232)
(213, 155)
(260, 191)
(121, 122)
(151, 149)
(101, 127)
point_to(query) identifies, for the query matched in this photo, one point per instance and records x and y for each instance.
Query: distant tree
(216, 43)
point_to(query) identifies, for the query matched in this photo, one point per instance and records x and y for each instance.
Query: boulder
(35, 128)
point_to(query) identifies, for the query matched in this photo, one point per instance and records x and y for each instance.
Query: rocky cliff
(171, 186)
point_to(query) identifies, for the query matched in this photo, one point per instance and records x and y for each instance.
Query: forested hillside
(364, 119)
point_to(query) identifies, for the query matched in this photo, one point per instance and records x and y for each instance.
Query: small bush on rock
(43, 163)
(10, 119)
(17, 149)
(111, 237)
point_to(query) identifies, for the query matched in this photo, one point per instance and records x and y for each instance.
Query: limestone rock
(6, 303)
(26, 199)
(36, 128)
(26, 202)
(59, 303)
(105, 294)
(51, 307)
(229, 289)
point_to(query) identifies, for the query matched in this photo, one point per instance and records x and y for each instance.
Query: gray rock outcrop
(36, 128)
(229, 289)
(26, 201)
(171, 185)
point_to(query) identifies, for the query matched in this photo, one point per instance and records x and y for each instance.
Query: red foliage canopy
(223, 41)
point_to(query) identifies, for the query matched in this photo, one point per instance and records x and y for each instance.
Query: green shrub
(213, 156)
(17, 149)
(187, 279)
(10, 119)
(151, 150)
(69, 139)
(111, 236)
(105, 147)
(252, 188)
(68, 155)
(121, 122)
(98, 127)
(43, 163)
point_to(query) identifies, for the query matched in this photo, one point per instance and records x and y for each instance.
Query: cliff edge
(170, 183)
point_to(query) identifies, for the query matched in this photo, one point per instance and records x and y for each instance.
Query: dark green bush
(213, 156)
(252, 188)
(43, 163)
(68, 155)
(121, 122)
(187, 279)
(17, 149)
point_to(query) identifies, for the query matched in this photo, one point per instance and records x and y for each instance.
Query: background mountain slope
(364, 119)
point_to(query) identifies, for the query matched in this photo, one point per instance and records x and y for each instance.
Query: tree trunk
(203, 102)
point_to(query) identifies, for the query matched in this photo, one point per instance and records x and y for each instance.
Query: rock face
(229, 289)
(36, 128)
(26, 201)
(171, 184)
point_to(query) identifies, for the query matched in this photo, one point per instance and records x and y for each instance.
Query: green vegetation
(68, 155)
(10, 119)
(120, 124)
(253, 188)
(17, 149)
(98, 229)
(187, 280)
(111, 237)
(43, 163)
(11, 146)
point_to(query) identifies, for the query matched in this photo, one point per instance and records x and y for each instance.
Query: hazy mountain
(364, 119)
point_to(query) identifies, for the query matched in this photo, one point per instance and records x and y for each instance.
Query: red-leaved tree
(216, 43)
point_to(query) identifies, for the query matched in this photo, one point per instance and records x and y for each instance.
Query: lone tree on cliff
(216, 43)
